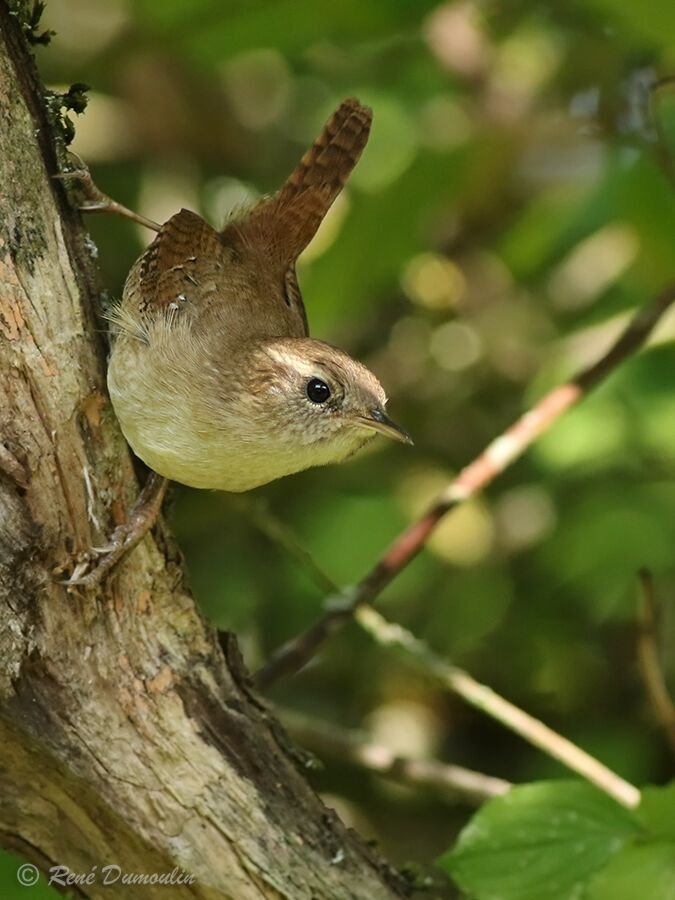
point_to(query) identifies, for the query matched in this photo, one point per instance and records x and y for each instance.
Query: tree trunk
(127, 736)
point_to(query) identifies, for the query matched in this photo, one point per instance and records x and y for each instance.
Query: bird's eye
(317, 390)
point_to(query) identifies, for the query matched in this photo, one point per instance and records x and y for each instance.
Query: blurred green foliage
(514, 204)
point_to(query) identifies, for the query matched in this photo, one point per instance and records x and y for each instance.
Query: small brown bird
(213, 377)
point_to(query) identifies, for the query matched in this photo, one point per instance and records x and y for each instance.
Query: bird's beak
(379, 421)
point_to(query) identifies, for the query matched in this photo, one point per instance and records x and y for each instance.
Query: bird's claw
(124, 538)
(84, 575)
(94, 200)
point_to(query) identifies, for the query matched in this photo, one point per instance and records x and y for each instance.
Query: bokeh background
(514, 205)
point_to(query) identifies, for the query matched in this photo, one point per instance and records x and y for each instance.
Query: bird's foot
(125, 537)
(92, 199)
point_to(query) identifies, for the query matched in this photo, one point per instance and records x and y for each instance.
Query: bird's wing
(181, 264)
(190, 261)
(190, 268)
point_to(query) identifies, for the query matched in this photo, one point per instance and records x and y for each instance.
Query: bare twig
(449, 781)
(414, 651)
(295, 654)
(281, 534)
(377, 758)
(648, 657)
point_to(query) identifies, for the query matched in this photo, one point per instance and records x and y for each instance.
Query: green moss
(58, 103)
(28, 13)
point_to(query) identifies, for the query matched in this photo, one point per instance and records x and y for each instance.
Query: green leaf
(541, 841)
(646, 870)
(657, 810)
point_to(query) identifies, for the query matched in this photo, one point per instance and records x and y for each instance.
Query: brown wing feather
(190, 267)
(187, 261)
(172, 268)
(289, 219)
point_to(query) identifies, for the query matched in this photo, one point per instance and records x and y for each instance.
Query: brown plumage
(289, 219)
(213, 376)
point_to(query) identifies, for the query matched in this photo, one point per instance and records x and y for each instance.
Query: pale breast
(163, 415)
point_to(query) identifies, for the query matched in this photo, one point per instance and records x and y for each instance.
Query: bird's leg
(146, 509)
(126, 536)
(94, 200)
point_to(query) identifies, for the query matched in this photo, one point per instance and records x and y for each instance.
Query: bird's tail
(289, 219)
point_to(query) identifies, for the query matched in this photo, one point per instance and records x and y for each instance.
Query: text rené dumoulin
(114, 874)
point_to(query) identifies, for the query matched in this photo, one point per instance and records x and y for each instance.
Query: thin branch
(449, 781)
(377, 758)
(341, 607)
(648, 657)
(414, 651)
(281, 534)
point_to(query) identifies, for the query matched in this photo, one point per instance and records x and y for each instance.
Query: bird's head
(318, 401)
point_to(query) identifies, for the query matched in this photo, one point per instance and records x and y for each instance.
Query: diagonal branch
(380, 759)
(449, 781)
(503, 451)
(415, 652)
(260, 516)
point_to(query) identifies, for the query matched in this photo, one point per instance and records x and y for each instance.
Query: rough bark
(127, 736)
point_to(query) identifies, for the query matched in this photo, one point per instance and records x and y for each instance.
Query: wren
(212, 375)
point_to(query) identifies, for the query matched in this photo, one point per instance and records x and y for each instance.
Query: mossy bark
(127, 735)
